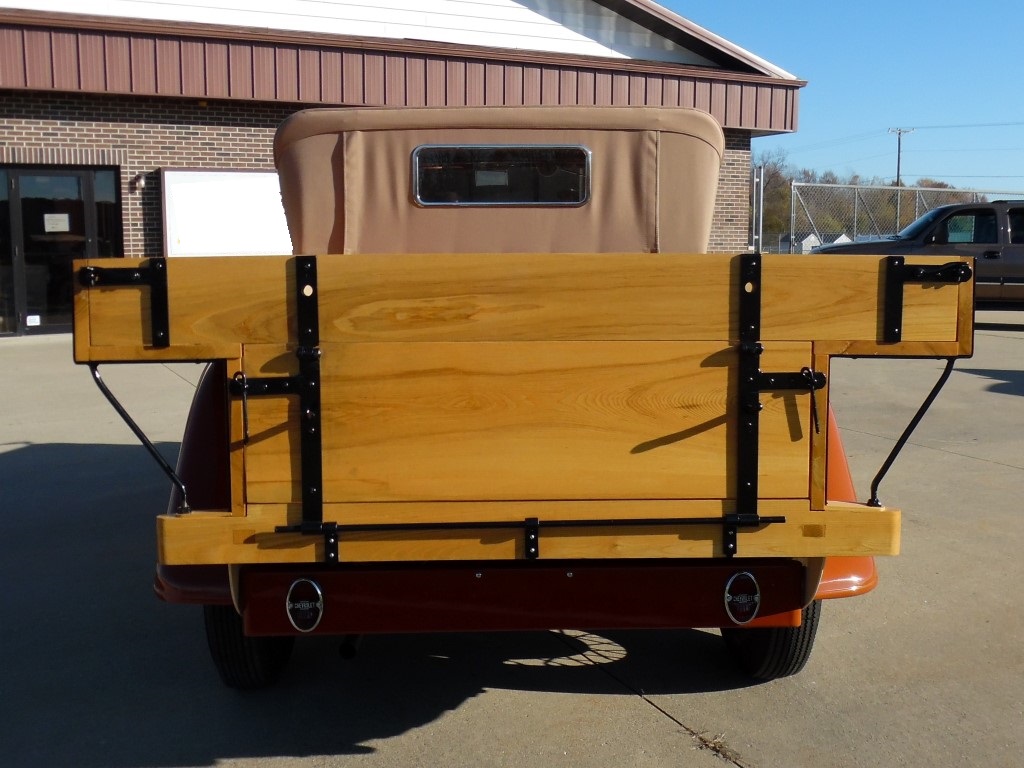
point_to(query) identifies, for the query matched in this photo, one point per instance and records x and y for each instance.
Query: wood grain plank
(839, 530)
(524, 297)
(555, 420)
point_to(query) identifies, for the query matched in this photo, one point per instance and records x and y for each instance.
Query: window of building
(50, 216)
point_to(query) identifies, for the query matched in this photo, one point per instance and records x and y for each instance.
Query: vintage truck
(501, 386)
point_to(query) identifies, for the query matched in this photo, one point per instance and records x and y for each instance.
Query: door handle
(991, 255)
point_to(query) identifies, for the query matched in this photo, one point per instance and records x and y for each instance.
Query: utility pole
(899, 148)
(899, 158)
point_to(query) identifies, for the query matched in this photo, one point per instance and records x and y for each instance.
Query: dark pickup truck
(993, 233)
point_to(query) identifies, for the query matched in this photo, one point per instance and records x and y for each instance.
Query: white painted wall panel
(578, 27)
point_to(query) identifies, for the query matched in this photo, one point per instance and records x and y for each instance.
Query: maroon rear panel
(492, 597)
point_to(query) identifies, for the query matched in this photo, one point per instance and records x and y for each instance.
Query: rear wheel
(243, 662)
(768, 653)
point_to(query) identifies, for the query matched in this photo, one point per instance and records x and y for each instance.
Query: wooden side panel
(537, 420)
(217, 303)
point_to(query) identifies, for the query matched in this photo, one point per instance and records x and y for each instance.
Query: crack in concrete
(702, 741)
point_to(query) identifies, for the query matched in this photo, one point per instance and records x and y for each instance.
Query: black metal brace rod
(183, 507)
(873, 501)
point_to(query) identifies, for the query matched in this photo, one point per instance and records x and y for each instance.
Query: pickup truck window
(972, 227)
(501, 175)
(1017, 226)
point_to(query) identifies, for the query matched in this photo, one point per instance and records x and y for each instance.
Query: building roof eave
(694, 37)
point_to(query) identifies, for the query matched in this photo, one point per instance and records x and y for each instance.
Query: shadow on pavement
(97, 672)
(1004, 382)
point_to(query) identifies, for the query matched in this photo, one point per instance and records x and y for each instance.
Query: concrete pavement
(926, 670)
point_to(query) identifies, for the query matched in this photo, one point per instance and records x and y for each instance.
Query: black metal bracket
(153, 274)
(333, 533)
(531, 538)
(306, 385)
(752, 381)
(898, 273)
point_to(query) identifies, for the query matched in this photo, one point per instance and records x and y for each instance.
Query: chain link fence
(828, 213)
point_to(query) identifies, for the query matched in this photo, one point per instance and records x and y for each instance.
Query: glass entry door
(53, 216)
(52, 219)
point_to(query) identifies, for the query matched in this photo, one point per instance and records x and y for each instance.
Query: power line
(970, 125)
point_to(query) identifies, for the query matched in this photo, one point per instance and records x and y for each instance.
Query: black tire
(243, 662)
(769, 653)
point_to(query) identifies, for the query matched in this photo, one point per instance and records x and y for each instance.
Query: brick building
(96, 108)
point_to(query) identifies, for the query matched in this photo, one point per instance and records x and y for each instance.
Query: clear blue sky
(952, 72)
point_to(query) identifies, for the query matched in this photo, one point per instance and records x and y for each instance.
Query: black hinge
(752, 381)
(898, 273)
(153, 274)
(305, 385)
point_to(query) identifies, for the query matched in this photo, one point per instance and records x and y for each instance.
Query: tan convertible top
(346, 180)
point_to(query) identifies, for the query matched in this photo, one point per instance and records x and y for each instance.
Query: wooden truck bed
(421, 407)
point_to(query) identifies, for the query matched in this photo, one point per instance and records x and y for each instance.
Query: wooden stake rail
(495, 406)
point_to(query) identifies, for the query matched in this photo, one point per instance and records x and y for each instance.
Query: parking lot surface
(925, 671)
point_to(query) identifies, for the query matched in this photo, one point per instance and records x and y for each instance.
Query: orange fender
(843, 576)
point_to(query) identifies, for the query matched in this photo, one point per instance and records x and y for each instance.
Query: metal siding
(264, 72)
(394, 81)
(286, 74)
(168, 67)
(718, 99)
(91, 62)
(494, 84)
(436, 85)
(752, 105)
(416, 81)
(638, 90)
(38, 62)
(373, 79)
(733, 103)
(514, 86)
(12, 58)
(567, 86)
(655, 91)
(64, 46)
(146, 63)
(702, 95)
(620, 90)
(240, 71)
(688, 93)
(193, 68)
(531, 85)
(310, 88)
(550, 82)
(216, 71)
(142, 53)
(117, 63)
(784, 110)
(330, 77)
(671, 92)
(475, 84)
(352, 78)
(456, 84)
